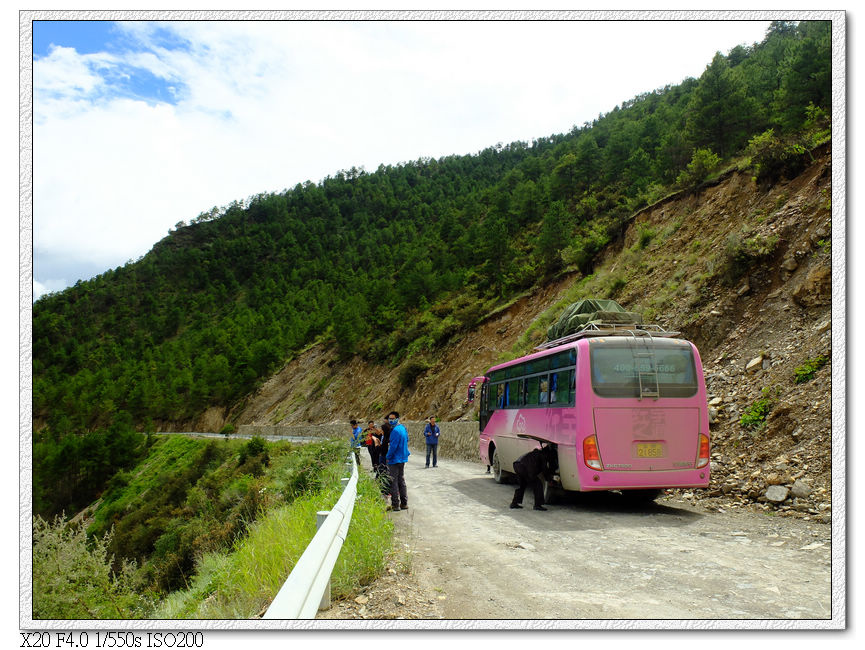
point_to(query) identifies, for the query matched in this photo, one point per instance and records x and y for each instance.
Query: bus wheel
(552, 494)
(640, 496)
(500, 475)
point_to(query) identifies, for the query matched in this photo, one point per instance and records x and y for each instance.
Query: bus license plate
(650, 450)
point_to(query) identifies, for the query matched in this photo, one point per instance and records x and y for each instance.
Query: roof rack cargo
(594, 329)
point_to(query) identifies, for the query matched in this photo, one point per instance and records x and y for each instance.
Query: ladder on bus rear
(647, 380)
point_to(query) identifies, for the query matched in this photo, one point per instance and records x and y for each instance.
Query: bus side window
(500, 395)
(532, 391)
(545, 387)
(558, 388)
(512, 393)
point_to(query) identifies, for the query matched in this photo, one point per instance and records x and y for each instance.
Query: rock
(715, 401)
(801, 489)
(754, 365)
(790, 264)
(776, 493)
(744, 289)
(825, 325)
(362, 600)
(815, 289)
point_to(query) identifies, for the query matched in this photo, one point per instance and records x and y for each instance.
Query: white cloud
(262, 106)
(66, 74)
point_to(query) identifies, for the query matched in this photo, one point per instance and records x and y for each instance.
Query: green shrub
(755, 416)
(411, 370)
(703, 163)
(75, 580)
(806, 371)
(741, 254)
(255, 448)
(645, 234)
(772, 157)
(585, 246)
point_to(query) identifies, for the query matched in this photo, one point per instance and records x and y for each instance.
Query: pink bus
(625, 405)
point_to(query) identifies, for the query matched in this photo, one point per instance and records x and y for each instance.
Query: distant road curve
(198, 434)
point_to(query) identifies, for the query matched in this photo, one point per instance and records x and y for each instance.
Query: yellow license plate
(650, 450)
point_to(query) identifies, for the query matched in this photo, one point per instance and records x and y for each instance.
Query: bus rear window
(615, 369)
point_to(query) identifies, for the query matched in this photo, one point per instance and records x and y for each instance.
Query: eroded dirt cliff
(743, 270)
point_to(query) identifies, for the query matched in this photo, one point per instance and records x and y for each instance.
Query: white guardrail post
(307, 588)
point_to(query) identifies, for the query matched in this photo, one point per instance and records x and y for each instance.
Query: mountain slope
(392, 264)
(742, 269)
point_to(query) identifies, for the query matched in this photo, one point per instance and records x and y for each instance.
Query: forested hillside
(392, 264)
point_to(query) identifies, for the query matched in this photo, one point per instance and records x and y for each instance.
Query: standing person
(382, 473)
(372, 442)
(397, 456)
(529, 467)
(354, 440)
(431, 434)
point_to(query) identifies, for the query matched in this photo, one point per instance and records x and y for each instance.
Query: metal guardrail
(308, 585)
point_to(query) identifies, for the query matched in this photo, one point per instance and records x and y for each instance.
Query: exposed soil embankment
(741, 269)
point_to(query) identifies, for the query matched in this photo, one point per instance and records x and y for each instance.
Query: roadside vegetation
(204, 529)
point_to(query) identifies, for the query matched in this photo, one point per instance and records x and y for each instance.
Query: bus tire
(641, 496)
(552, 493)
(499, 475)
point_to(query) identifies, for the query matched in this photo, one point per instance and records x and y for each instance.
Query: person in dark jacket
(529, 468)
(372, 442)
(381, 471)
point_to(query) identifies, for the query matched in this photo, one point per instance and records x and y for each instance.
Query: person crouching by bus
(529, 468)
(397, 457)
(431, 433)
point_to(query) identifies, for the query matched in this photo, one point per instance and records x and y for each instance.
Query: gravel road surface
(594, 557)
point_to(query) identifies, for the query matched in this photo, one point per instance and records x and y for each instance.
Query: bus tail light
(703, 456)
(590, 453)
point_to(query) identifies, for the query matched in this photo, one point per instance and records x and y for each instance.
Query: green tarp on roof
(590, 310)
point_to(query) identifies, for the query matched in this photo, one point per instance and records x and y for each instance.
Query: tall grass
(242, 583)
(73, 579)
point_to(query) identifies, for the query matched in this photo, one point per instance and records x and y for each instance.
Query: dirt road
(593, 557)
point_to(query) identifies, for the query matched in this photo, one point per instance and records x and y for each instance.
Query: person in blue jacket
(431, 433)
(397, 456)
(354, 440)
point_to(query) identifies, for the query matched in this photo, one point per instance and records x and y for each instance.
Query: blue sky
(103, 36)
(139, 125)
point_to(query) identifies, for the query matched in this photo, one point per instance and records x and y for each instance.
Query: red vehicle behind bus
(624, 405)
